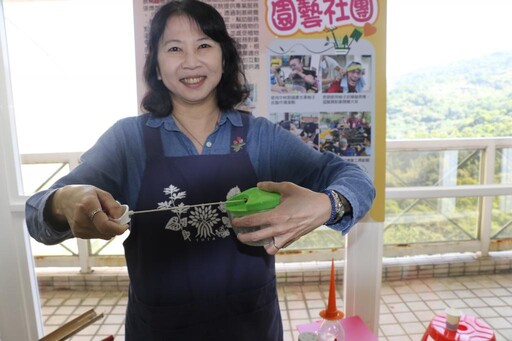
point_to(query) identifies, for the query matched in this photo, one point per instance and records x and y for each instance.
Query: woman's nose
(190, 60)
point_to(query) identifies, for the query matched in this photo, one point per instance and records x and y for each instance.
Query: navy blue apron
(190, 278)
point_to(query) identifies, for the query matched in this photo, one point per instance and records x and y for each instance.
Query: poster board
(330, 56)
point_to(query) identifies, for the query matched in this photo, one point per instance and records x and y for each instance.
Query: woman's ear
(158, 74)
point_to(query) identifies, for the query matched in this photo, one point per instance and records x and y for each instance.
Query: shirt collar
(232, 115)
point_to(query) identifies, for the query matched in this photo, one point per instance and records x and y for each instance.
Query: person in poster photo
(337, 79)
(353, 79)
(331, 74)
(191, 276)
(309, 134)
(353, 121)
(345, 148)
(277, 75)
(302, 79)
(367, 149)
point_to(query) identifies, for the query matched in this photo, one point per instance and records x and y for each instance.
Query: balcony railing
(471, 195)
(442, 196)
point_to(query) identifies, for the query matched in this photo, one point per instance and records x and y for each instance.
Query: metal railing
(444, 189)
(485, 190)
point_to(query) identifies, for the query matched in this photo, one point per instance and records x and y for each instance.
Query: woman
(190, 277)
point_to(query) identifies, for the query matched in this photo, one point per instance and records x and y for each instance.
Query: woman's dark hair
(230, 88)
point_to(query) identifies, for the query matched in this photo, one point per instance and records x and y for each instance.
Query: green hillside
(472, 98)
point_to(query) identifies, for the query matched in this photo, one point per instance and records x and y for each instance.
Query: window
(65, 93)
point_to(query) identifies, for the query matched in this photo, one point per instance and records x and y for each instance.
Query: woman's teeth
(192, 80)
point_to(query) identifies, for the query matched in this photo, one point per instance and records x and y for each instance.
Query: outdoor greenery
(469, 99)
(472, 98)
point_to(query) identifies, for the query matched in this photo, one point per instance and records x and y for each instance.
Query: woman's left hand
(300, 212)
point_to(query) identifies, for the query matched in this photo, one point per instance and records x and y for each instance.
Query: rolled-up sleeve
(38, 228)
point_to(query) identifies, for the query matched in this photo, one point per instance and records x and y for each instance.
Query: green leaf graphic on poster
(344, 42)
(356, 34)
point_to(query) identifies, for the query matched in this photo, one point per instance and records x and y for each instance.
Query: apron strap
(151, 138)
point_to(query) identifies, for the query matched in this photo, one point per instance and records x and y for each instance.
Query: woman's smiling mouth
(193, 80)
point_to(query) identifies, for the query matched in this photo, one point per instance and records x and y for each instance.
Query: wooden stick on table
(74, 326)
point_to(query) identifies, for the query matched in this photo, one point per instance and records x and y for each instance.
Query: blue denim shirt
(116, 164)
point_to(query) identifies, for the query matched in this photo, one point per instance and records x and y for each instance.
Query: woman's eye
(173, 49)
(204, 46)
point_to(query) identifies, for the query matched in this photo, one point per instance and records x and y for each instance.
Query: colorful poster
(315, 67)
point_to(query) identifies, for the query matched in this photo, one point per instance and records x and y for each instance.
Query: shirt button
(208, 144)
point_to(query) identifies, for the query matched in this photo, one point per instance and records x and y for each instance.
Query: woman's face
(189, 62)
(354, 76)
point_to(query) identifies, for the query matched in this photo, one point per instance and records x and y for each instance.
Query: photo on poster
(345, 73)
(293, 74)
(347, 134)
(303, 125)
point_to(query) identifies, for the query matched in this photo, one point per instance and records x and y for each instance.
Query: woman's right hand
(74, 205)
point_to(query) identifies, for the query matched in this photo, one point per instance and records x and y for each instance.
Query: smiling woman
(192, 139)
(69, 70)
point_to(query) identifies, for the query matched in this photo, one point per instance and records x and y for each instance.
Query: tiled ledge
(394, 269)
(101, 279)
(450, 265)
